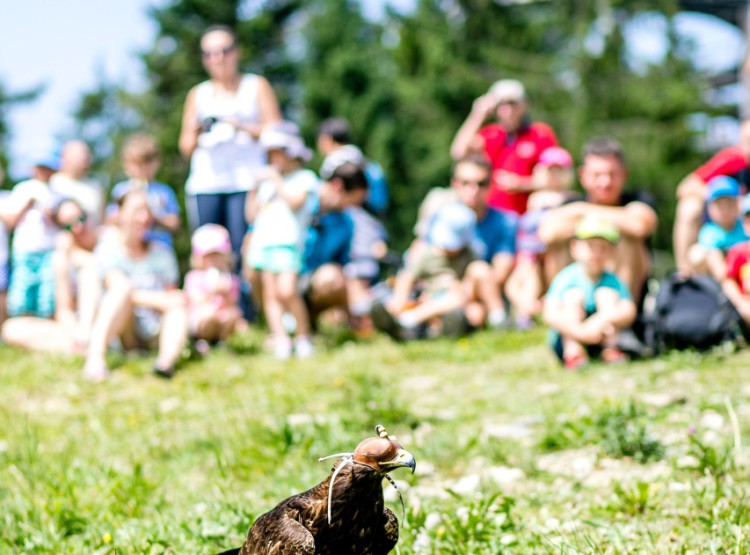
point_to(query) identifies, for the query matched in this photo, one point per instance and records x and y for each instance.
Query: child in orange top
(212, 290)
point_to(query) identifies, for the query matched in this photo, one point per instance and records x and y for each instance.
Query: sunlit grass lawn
(513, 454)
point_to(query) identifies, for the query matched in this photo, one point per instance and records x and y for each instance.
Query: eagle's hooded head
(380, 454)
(383, 453)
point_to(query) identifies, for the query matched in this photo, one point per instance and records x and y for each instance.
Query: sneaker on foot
(613, 355)
(165, 372)
(303, 347)
(282, 348)
(385, 321)
(95, 371)
(575, 362)
(524, 322)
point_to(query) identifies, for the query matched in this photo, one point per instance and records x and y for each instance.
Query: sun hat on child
(210, 238)
(285, 135)
(722, 186)
(452, 227)
(555, 156)
(592, 227)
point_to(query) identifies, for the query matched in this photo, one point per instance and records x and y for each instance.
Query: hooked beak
(402, 459)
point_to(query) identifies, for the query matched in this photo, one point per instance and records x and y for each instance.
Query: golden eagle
(343, 515)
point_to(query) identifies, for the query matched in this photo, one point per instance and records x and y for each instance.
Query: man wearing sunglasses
(494, 243)
(512, 144)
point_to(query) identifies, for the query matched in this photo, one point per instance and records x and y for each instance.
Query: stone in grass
(504, 475)
(663, 399)
(573, 463)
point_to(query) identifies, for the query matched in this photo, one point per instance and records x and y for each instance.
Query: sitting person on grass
(328, 243)
(212, 290)
(586, 305)
(439, 263)
(141, 304)
(552, 178)
(494, 243)
(721, 232)
(736, 282)
(77, 289)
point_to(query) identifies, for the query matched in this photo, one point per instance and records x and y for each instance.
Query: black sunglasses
(223, 51)
(69, 226)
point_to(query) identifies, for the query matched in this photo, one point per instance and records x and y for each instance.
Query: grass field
(513, 454)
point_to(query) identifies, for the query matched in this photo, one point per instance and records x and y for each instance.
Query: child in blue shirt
(141, 160)
(722, 231)
(586, 304)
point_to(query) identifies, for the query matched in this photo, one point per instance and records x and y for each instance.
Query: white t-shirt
(276, 224)
(35, 232)
(226, 159)
(86, 193)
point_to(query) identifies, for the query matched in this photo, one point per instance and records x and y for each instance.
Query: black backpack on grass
(690, 313)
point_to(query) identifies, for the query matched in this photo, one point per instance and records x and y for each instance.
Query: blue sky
(67, 44)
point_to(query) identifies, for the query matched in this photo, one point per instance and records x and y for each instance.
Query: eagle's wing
(278, 534)
(388, 537)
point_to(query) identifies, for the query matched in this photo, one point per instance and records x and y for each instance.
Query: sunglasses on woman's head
(218, 52)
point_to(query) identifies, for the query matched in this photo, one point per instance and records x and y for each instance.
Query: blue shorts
(32, 285)
(275, 259)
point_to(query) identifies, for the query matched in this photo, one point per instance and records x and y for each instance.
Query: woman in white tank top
(221, 123)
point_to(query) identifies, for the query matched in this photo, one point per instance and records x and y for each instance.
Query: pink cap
(210, 238)
(555, 156)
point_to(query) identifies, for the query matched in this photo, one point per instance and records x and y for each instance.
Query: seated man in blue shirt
(494, 243)
(329, 239)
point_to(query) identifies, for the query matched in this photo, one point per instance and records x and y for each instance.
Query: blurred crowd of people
(507, 243)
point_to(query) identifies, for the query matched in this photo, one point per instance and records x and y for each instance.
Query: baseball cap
(285, 135)
(591, 227)
(555, 156)
(452, 227)
(210, 238)
(49, 160)
(722, 186)
(507, 90)
(347, 154)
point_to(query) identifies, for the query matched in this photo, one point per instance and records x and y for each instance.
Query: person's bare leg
(481, 286)
(65, 310)
(89, 295)
(290, 299)
(173, 334)
(38, 334)
(256, 284)
(115, 313)
(524, 287)
(687, 224)
(328, 288)
(3, 306)
(358, 294)
(632, 265)
(230, 320)
(272, 308)
(573, 307)
(434, 307)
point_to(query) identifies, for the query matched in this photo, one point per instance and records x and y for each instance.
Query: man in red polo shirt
(691, 193)
(513, 144)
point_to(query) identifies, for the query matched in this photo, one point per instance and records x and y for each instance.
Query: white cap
(285, 135)
(507, 90)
